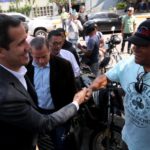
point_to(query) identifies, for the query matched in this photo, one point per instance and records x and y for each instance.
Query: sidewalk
(143, 15)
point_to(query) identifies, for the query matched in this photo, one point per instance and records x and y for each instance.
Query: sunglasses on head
(139, 84)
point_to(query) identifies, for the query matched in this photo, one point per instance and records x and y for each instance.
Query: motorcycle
(99, 122)
(112, 55)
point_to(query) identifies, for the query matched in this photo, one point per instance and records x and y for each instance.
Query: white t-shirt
(70, 57)
(136, 131)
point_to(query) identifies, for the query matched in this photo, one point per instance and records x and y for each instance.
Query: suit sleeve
(22, 114)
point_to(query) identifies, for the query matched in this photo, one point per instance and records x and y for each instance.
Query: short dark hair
(38, 43)
(53, 33)
(61, 30)
(5, 23)
(90, 28)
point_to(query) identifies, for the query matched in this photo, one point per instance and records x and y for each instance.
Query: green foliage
(61, 2)
(121, 5)
(24, 10)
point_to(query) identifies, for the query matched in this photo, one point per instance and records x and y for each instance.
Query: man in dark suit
(55, 76)
(20, 119)
(58, 74)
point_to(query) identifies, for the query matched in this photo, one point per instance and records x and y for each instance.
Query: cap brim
(138, 40)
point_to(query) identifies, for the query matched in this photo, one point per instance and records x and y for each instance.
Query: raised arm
(100, 82)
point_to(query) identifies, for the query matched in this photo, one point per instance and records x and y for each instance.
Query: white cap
(130, 9)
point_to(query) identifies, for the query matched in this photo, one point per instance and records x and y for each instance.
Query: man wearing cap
(134, 76)
(128, 28)
(91, 53)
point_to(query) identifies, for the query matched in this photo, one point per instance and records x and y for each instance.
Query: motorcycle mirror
(113, 28)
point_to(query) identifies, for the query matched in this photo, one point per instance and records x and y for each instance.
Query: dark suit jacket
(20, 120)
(62, 81)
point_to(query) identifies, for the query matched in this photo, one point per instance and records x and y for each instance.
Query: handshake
(82, 96)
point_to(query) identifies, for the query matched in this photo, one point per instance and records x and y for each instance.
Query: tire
(40, 33)
(99, 140)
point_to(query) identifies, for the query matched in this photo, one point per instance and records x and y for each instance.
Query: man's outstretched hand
(88, 93)
(80, 97)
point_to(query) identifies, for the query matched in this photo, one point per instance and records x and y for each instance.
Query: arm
(102, 43)
(80, 27)
(16, 110)
(100, 82)
(134, 26)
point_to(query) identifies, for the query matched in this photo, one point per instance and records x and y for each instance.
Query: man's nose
(41, 60)
(27, 47)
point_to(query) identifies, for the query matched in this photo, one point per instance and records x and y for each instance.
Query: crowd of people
(39, 82)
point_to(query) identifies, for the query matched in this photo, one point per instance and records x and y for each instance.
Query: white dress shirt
(19, 75)
(70, 57)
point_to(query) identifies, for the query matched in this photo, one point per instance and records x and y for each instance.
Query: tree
(59, 2)
(30, 2)
(17, 3)
(62, 3)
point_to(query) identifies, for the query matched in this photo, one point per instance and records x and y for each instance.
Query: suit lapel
(18, 86)
(31, 91)
(12, 80)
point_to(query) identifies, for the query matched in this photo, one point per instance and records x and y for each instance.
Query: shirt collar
(36, 65)
(20, 73)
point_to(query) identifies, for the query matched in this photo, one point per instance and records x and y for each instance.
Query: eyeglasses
(139, 84)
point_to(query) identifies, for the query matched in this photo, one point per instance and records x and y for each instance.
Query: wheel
(40, 33)
(100, 139)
